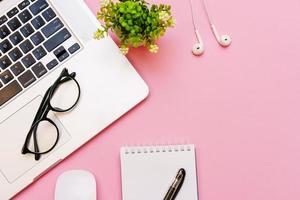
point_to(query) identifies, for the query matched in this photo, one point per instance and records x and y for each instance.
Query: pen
(176, 185)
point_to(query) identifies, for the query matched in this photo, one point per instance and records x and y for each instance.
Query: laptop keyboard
(33, 41)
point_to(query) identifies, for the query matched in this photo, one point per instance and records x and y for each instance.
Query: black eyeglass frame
(43, 111)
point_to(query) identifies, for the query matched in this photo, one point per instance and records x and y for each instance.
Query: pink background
(240, 106)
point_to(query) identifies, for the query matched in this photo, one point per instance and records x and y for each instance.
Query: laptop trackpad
(14, 164)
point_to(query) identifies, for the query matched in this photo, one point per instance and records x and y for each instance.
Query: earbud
(223, 40)
(198, 48)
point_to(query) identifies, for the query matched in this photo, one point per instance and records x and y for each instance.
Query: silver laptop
(38, 39)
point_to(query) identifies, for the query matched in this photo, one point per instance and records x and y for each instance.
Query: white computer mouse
(76, 185)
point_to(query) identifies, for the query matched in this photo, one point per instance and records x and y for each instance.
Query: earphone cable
(194, 21)
(193, 16)
(206, 12)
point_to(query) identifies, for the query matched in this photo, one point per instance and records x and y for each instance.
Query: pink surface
(240, 106)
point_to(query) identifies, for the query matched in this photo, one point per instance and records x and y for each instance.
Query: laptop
(38, 39)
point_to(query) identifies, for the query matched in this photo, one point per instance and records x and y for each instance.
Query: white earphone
(198, 48)
(223, 40)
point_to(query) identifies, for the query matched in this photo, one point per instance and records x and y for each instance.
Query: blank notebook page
(148, 172)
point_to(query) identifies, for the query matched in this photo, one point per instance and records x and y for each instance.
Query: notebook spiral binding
(157, 149)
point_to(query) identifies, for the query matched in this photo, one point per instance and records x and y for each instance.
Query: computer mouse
(76, 185)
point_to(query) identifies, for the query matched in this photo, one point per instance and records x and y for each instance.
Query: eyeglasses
(61, 97)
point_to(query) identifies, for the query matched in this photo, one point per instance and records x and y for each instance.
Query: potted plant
(134, 22)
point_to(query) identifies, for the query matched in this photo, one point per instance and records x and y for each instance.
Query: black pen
(176, 185)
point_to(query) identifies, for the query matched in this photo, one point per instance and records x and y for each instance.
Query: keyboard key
(39, 70)
(17, 68)
(9, 92)
(27, 79)
(26, 46)
(37, 38)
(14, 24)
(39, 53)
(57, 39)
(28, 60)
(52, 27)
(12, 12)
(16, 38)
(27, 30)
(61, 53)
(3, 19)
(6, 76)
(49, 14)
(74, 48)
(39, 6)
(38, 22)
(5, 46)
(23, 4)
(4, 32)
(15, 54)
(25, 16)
(5, 62)
(52, 64)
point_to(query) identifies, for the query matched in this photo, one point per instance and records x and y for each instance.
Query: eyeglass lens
(65, 96)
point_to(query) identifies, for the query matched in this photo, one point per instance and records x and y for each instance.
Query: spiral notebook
(148, 171)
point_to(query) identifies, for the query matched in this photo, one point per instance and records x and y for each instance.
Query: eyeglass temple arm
(38, 116)
(35, 144)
